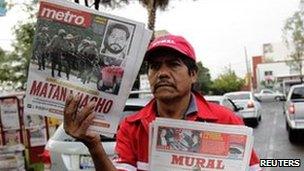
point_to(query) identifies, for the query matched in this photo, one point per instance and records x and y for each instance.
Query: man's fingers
(70, 108)
(69, 99)
(87, 110)
(86, 123)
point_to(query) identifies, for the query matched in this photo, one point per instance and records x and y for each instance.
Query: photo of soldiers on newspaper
(61, 49)
(62, 52)
(179, 139)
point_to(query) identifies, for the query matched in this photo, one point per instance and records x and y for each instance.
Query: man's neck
(174, 108)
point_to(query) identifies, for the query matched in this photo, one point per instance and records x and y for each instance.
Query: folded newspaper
(181, 145)
(86, 52)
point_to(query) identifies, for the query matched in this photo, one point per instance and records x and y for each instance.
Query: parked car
(252, 112)
(67, 154)
(224, 101)
(294, 112)
(269, 95)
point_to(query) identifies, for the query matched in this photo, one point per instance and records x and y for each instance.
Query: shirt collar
(192, 105)
(198, 108)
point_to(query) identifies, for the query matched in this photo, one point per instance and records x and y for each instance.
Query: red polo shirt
(132, 136)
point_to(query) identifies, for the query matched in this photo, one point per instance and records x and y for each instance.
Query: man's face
(169, 78)
(117, 40)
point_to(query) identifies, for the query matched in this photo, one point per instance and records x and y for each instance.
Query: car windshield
(298, 94)
(243, 96)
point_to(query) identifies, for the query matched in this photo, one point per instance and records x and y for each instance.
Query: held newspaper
(83, 51)
(187, 145)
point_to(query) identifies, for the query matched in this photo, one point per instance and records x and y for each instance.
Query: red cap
(174, 42)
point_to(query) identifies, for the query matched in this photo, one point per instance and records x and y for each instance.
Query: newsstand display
(11, 148)
(23, 136)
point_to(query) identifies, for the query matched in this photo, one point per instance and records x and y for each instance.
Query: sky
(219, 30)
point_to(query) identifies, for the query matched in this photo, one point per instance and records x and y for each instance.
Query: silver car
(224, 101)
(252, 108)
(67, 154)
(269, 95)
(294, 112)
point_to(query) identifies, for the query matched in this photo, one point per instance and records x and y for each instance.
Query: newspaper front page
(195, 146)
(82, 51)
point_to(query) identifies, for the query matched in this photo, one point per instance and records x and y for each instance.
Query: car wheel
(292, 135)
(277, 99)
(287, 126)
(255, 122)
(260, 118)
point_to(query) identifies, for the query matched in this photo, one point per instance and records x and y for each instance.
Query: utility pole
(301, 6)
(248, 75)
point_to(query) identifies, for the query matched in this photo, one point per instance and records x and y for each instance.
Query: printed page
(82, 51)
(187, 145)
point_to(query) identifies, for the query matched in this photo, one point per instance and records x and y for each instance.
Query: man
(68, 53)
(90, 55)
(115, 44)
(55, 46)
(116, 39)
(41, 41)
(172, 72)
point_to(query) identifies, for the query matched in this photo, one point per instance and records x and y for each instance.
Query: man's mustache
(163, 83)
(115, 45)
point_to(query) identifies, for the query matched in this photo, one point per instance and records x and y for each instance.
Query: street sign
(2, 8)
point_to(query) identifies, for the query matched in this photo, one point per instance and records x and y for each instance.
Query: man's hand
(76, 123)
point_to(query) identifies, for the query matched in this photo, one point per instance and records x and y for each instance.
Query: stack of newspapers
(84, 52)
(187, 145)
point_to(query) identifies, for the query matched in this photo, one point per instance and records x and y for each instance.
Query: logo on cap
(166, 41)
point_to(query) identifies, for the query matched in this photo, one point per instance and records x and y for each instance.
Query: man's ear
(193, 75)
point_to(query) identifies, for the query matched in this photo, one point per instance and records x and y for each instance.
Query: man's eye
(154, 66)
(175, 64)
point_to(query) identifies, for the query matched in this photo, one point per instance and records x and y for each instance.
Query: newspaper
(9, 114)
(187, 145)
(83, 51)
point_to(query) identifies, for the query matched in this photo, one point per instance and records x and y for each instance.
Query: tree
(151, 5)
(13, 65)
(293, 34)
(227, 82)
(203, 79)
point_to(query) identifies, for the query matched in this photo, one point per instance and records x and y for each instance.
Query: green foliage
(203, 79)
(227, 82)
(10, 71)
(14, 65)
(268, 85)
(293, 34)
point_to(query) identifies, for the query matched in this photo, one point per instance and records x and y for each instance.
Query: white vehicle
(224, 101)
(294, 112)
(252, 108)
(70, 155)
(269, 95)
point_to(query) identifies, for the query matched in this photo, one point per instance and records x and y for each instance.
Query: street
(271, 138)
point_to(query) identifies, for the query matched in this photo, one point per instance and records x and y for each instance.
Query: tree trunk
(152, 16)
(76, 1)
(96, 4)
(86, 3)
